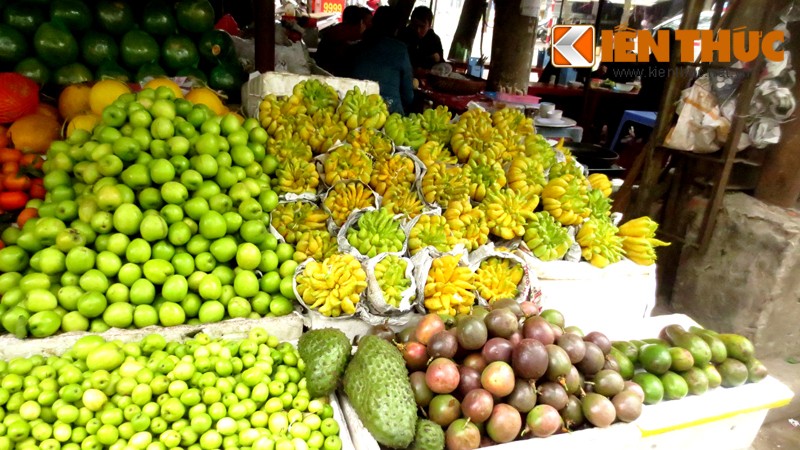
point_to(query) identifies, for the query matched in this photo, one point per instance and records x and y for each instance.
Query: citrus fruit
(104, 92)
(156, 83)
(97, 47)
(138, 48)
(13, 46)
(115, 17)
(74, 100)
(82, 122)
(158, 19)
(195, 16)
(75, 73)
(178, 52)
(34, 133)
(47, 110)
(206, 96)
(55, 45)
(19, 96)
(74, 14)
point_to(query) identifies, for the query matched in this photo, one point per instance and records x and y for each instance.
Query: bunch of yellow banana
(315, 244)
(442, 183)
(327, 131)
(546, 238)
(269, 111)
(526, 174)
(483, 175)
(293, 219)
(346, 197)
(431, 231)
(370, 140)
(600, 181)
(498, 278)
(347, 163)
(402, 200)
(296, 176)
(312, 95)
(638, 240)
(292, 148)
(536, 146)
(449, 288)
(507, 212)
(395, 170)
(512, 123)
(436, 124)
(405, 131)
(468, 224)
(390, 273)
(332, 287)
(361, 110)
(566, 199)
(435, 152)
(474, 133)
(599, 242)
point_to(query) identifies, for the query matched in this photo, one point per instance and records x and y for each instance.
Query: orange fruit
(48, 110)
(83, 122)
(74, 100)
(164, 81)
(104, 92)
(34, 133)
(206, 96)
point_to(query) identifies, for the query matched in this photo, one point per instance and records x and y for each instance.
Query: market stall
(286, 265)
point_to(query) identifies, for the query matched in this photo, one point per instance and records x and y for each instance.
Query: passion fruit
(498, 378)
(501, 323)
(543, 421)
(444, 409)
(574, 346)
(572, 414)
(471, 333)
(558, 364)
(442, 345)
(475, 361)
(462, 435)
(442, 376)
(529, 359)
(635, 388)
(553, 316)
(523, 397)
(598, 410)
(608, 383)
(428, 326)
(509, 304)
(479, 311)
(497, 349)
(415, 354)
(593, 360)
(573, 381)
(600, 340)
(470, 380)
(477, 405)
(539, 329)
(574, 330)
(627, 405)
(505, 424)
(553, 394)
(422, 393)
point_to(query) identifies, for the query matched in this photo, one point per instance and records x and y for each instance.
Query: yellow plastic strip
(707, 420)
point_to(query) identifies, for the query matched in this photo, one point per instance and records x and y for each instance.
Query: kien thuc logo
(573, 46)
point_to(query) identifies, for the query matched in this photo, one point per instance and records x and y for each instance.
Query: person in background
(424, 45)
(336, 42)
(383, 58)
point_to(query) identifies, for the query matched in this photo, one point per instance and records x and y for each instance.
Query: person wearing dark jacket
(336, 42)
(424, 45)
(381, 57)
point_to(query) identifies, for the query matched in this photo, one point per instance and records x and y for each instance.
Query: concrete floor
(777, 435)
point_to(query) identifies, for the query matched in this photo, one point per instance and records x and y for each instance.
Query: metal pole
(265, 35)
(561, 13)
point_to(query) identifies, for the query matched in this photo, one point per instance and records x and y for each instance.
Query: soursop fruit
(325, 353)
(429, 436)
(376, 382)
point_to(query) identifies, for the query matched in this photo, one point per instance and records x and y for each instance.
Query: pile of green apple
(202, 394)
(160, 216)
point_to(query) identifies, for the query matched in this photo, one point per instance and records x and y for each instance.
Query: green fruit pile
(159, 217)
(682, 362)
(76, 41)
(200, 394)
(376, 232)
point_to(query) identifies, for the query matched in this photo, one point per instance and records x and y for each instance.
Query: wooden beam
(265, 35)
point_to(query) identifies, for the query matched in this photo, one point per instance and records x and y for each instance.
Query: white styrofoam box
(286, 328)
(620, 436)
(338, 414)
(354, 326)
(591, 298)
(732, 415)
(281, 84)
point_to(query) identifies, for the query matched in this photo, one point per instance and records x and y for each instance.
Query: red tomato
(25, 215)
(12, 201)
(10, 155)
(10, 168)
(37, 190)
(17, 182)
(31, 160)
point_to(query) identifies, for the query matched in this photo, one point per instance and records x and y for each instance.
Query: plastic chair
(646, 118)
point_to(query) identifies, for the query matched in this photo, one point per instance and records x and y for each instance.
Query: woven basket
(457, 86)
